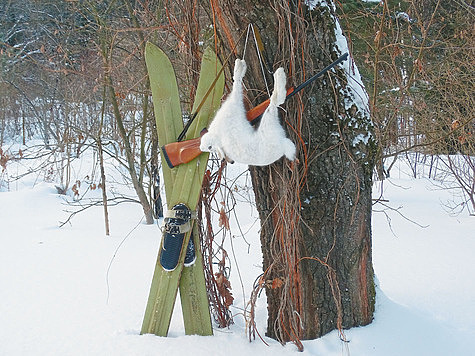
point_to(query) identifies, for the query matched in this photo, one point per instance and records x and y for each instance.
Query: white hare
(231, 135)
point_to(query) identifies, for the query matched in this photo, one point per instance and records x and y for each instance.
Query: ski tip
(150, 47)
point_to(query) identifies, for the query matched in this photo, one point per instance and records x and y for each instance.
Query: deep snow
(59, 296)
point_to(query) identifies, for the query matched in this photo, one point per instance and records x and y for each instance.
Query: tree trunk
(135, 176)
(100, 152)
(129, 154)
(103, 186)
(316, 213)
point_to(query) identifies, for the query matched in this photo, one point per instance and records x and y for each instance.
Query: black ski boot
(177, 223)
(190, 256)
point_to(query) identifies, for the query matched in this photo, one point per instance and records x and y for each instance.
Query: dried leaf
(377, 37)
(396, 51)
(223, 219)
(224, 287)
(455, 124)
(277, 283)
(419, 65)
(75, 190)
(3, 161)
(274, 283)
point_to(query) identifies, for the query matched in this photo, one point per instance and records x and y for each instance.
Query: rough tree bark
(315, 214)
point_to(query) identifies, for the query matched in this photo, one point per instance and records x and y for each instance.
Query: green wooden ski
(182, 185)
(193, 293)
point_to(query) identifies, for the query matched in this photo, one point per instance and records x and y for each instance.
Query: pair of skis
(182, 188)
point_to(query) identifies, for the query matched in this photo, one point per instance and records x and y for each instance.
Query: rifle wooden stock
(176, 153)
(258, 110)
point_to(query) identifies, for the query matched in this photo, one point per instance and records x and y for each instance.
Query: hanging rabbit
(231, 135)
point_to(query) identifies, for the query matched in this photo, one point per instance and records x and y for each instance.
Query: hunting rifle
(176, 153)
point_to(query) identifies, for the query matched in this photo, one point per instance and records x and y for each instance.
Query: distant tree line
(72, 71)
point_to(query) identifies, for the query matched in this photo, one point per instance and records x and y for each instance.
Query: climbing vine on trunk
(316, 213)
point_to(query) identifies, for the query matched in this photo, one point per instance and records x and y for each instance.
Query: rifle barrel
(319, 74)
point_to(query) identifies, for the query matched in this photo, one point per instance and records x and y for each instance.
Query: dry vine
(214, 254)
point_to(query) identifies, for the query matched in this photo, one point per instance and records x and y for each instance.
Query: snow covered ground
(62, 293)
